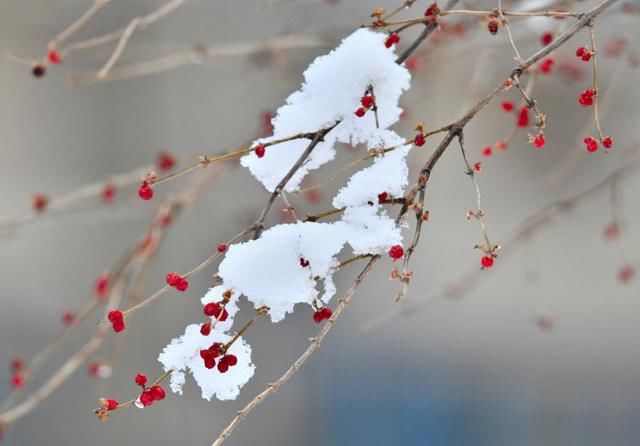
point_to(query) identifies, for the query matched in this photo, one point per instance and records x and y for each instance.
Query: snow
(331, 91)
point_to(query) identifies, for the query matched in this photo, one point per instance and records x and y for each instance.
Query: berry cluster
(177, 281)
(546, 65)
(322, 314)
(586, 97)
(367, 102)
(149, 394)
(584, 53)
(116, 317)
(216, 350)
(215, 310)
(591, 144)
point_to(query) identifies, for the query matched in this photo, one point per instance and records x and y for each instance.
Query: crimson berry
(260, 150)
(367, 101)
(419, 140)
(487, 261)
(38, 70)
(538, 141)
(523, 117)
(94, 368)
(223, 365)
(317, 316)
(586, 97)
(158, 393)
(546, 39)
(396, 251)
(546, 65)
(591, 144)
(16, 364)
(115, 315)
(304, 262)
(110, 404)
(607, 142)
(382, 197)
(492, 26)
(205, 329)
(625, 274)
(141, 379)
(580, 51)
(222, 247)
(432, 10)
(102, 286)
(165, 161)
(54, 57)
(360, 112)
(145, 191)
(487, 151)
(39, 202)
(118, 326)
(392, 39)
(214, 309)
(68, 317)
(146, 397)
(477, 166)
(172, 279)
(231, 360)
(507, 106)
(108, 193)
(17, 380)
(326, 312)
(586, 56)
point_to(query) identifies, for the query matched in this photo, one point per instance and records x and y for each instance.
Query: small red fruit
(141, 379)
(367, 101)
(396, 252)
(222, 247)
(360, 112)
(146, 397)
(158, 393)
(110, 404)
(538, 141)
(507, 106)
(419, 140)
(260, 150)
(145, 191)
(487, 261)
(165, 161)
(546, 39)
(54, 57)
(591, 144)
(607, 142)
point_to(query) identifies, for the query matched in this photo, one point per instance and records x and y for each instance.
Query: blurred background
(540, 350)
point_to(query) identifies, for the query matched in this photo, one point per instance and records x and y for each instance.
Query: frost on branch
(332, 88)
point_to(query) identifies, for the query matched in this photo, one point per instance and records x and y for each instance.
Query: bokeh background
(445, 367)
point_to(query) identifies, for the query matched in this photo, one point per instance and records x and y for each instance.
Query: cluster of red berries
(145, 191)
(392, 39)
(396, 252)
(486, 261)
(322, 314)
(584, 53)
(149, 394)
(215, 310)
(591, 144)
(260, 150)
(116, 317)
(368, 102)
(586, 97)
(177, 281)
(17, 373)
(214, 351)
(546, 65)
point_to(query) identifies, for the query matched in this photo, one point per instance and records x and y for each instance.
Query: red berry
(625, 274)
(94, 368)
(108, 193)
(392, 39)
(580, 51)
(591, 144)
(492, 26)
(39, 202)
(546, 65)
(382, 197)
(54, 57)
(102, 286)
(158, 393)
(214, 309)
(141, 379)
(17, 380)
(607, 142)
(523, 117)
(432, 10)
(223, 365)
(146, 397)
(538, 141)
(205, 329)
(477, 166)
(326, 313)
(396, 251)
(546, 39)
(182, 285)
(419, 140)
(360, 112)
(165, 161)
(367, 101)
(487, 151)
(317, 316)
(118, 326)
(222, 247)
(231, 360)
(487, 261)
(586, 57)
(16, 364)
(260, 150)
(145, 191)
(507, 106)
(304, 262)
(586, 97)
(110, 404)
(38, 70)
(115, 316)
(172, 279)
(68, 317)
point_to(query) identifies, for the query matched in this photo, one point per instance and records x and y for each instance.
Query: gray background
(471, 371)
